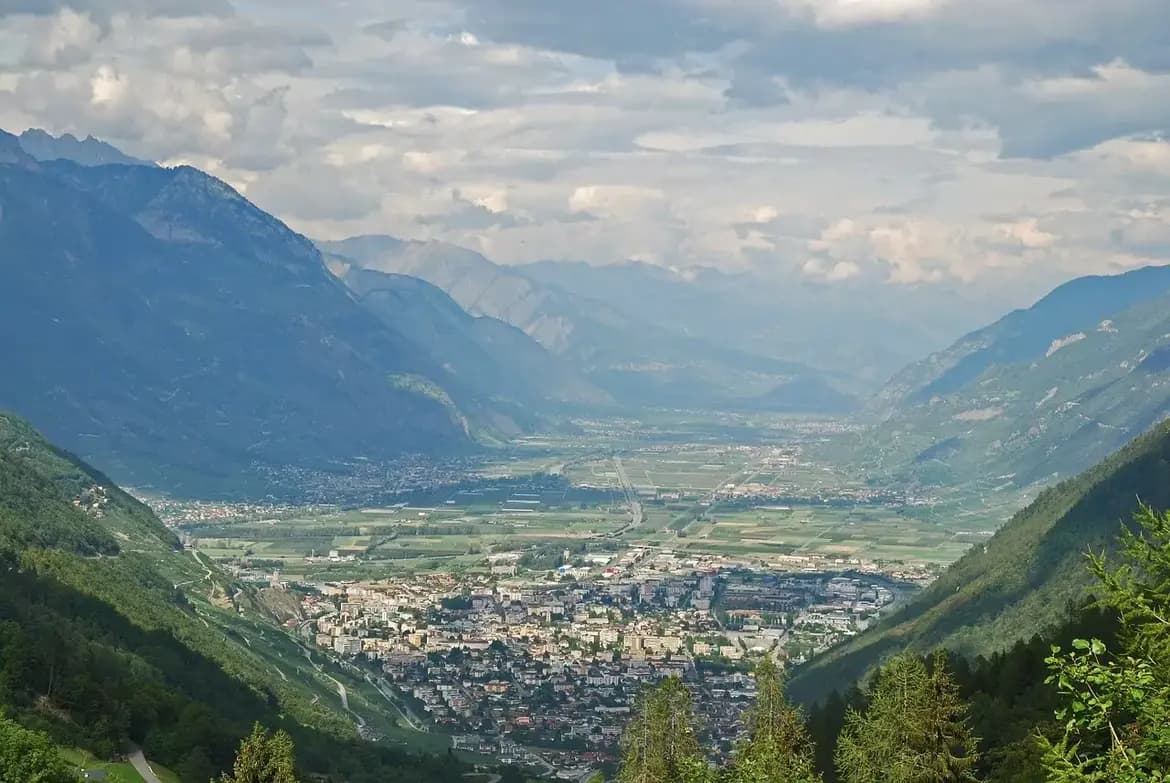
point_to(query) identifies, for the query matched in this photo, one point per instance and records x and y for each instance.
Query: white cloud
(846, 13)
(108, 86)
(1026, 233)
(997, 144)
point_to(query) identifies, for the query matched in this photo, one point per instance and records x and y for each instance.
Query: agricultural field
(872, 533)
(624, 489)
(456, 533)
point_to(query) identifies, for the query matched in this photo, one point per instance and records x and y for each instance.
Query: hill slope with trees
(1023, 579)
(100, 649)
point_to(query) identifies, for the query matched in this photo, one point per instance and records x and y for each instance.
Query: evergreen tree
(661, 743)
(1117, 719)
(196, 766)
(914, 731)
(30, 757)
(778, 748)
(264, 758)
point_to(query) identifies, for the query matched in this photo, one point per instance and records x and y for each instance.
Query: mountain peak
(12, 152)
(44, 146)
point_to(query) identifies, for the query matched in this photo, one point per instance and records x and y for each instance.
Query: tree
(661, 742)
(914, 731)
(778, 748)
(196, 766)
(30, 757)
(264, 758)
(1117, 717)
(511, 774)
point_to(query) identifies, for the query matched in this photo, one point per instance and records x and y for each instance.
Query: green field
(869, 533)
(459, 532)
(684, 490)
(117, 771)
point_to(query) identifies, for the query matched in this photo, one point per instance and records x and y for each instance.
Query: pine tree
(264, 758)
(1117, 720)
(661, 742)
(778, 748)
(914, 731)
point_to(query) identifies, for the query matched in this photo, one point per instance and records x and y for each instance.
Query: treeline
(91, 675)
(1091, 710)
(98, 650)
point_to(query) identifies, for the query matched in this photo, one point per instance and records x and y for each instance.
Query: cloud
(848, 13)
(104, 9)
(863, 144)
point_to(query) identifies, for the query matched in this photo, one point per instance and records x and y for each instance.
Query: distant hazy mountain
(88, 151)
(1043, 392)
(155, 320)
(856, 332)
(609, 325)
(483, 352)
(1022, 581)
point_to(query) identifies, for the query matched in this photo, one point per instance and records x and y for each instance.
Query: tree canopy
(1117, 716)
(30, 757)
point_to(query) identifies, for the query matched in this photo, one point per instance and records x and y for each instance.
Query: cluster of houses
(554, 667)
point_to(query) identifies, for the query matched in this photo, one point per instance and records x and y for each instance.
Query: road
(637, 514)
(341, 692)
(381, 687)
(138, 761)
(206, 576)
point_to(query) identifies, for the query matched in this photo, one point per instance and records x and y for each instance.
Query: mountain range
(89, 151)
(1040, 394)
(488, 353)
(638, 333)
(156, 320)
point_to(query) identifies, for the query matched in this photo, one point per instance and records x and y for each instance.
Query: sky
(999, 146)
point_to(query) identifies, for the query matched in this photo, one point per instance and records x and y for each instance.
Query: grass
(118, 771)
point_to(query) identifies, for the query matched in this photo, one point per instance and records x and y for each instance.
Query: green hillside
(156, 322)
(1041, 395)
(1023, 580)
(101, 648)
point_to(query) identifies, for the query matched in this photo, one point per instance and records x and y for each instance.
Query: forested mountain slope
(156, 321)
(1040, 395)
(1023, 579)
(100, 649)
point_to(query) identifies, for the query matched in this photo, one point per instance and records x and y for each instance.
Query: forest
(101, 652)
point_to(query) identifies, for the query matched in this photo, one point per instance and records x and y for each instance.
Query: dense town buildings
(533, 665)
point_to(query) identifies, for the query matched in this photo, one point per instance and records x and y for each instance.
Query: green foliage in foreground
(1021, 582)
(1117, 719)
(264, 758)
(30, 757)
(661, 744)
(915, 730)
(778, 748)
